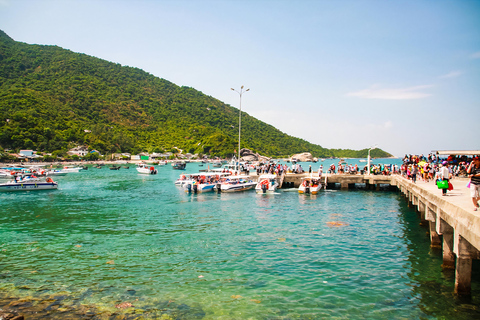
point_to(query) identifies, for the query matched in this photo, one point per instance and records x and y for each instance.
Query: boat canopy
(458, 152)
(238, 177)
(268, 176)
(207, 174)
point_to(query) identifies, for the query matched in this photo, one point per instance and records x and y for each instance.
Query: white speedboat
(217, 163)
(179, 165)
(29, 184)
(71, 169)
(310, 185)
(235, 184)
(5, 174)
(146, 169)
(202, 182)
(267, 183)
(55, 173)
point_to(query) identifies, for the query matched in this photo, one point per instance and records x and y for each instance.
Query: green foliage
(55, 99)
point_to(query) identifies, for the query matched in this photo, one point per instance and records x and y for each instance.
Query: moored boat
(310, 185)
(72, 169)
(55, 173)
(267, 183)
(30, 184)
(200, 182)
(145, 169)
(179, 165)
(235, 184)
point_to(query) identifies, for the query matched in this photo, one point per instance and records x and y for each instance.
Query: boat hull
(310, 190)
(237, 187)
(28, 186)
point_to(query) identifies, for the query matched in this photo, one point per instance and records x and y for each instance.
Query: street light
(240, 118)
(368, 163)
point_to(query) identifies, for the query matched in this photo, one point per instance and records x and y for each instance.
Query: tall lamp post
(240, 118)
(368, 163)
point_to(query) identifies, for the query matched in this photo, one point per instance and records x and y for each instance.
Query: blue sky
(403, 75)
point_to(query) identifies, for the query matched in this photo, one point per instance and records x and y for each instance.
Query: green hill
(54, 99)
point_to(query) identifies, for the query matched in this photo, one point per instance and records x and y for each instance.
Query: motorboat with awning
(267, 183)
(179, 165)
(235, 184)
(28, 184)
(146, 169)
(201, 182)
(310, 185)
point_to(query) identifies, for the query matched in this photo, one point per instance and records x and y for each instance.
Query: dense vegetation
(52, 99)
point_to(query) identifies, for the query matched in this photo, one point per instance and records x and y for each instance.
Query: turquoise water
(107, 237)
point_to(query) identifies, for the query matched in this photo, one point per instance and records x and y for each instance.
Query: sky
(400, 75)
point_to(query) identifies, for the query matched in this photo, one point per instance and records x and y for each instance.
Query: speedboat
(145, 169)
(72, 169)
(179, 165)
(6, 174)
(310, 185)
(267, 183)
(235, 184)
(55, 173)
(28, 184)
(202, 182)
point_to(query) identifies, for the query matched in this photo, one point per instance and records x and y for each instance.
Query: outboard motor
(195, 188)
(307, 189)
(219, 188)
(264, 188)
(189, 188)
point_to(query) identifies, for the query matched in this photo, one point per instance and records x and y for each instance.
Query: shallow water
(107, 237)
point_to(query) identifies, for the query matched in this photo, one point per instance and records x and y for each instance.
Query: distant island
(53, 99)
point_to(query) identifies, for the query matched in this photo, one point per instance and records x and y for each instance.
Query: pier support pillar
(448, 255)
(463, 268)
(421, 207)
(344, 185)
(463, 276)
(434, 237)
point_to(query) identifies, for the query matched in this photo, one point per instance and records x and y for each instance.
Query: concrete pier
(453, 224)
(450, 219)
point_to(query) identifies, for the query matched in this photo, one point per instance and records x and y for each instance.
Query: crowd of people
(441, 171)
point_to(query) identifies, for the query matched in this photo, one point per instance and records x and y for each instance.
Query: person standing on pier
(474, 170)
(445, 174)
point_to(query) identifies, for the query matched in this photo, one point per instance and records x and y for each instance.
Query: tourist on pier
(445, 174)
(414, 172)
(474, 171)
(320, 171)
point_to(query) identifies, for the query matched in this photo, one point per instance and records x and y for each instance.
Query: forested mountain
(54, 99)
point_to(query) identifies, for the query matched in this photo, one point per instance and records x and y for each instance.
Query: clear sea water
(107, 237)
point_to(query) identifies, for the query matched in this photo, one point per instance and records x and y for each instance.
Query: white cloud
(452, 74)
(476, 55)
(388, 124)
(375, 92)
